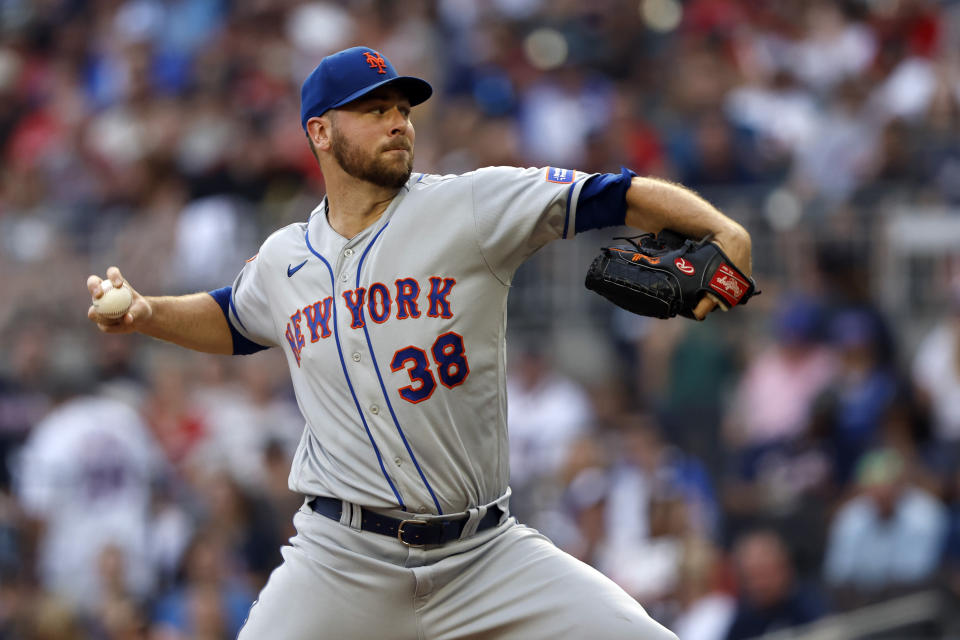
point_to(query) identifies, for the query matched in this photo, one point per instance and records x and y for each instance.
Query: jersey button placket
(356, 356)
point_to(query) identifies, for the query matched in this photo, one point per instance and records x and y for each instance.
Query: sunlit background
(786, 465)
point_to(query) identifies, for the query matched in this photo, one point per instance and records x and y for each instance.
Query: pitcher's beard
(383, 171)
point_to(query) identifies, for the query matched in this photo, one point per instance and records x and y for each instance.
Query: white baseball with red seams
(115, 301)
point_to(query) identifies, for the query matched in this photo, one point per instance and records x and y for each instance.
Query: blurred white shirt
(543, 422)
(936, 370)
(86, 471)
(708, 618)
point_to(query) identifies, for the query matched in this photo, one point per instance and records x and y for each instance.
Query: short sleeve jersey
(395, 338)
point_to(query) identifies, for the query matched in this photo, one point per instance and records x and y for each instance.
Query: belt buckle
(402, 524)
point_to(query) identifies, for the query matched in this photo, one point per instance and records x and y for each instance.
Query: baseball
(114, 302)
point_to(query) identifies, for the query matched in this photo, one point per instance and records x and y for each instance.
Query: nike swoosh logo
(293, 270)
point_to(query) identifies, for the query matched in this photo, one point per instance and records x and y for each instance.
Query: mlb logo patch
(560, 176)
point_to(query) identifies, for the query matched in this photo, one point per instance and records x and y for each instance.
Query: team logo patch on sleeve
(560, 176)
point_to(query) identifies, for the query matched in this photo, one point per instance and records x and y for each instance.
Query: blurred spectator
(121, 620)
(16, 567)
(177, 423)
(52, 618)
(842, 267)
(633, 519)
(31, 227)
(706, 609)
(171, 529)
(559, 113)
(833, 164)
(546, 412)
(585, 499)
(650, 569)
(277, 502)
(24, 391)
(243, 417)
(687, 375)
(852, 410)
(648, 469)
(238, 522)
(710, 153)
(213, 236)
(780, 469)
(936, 376)
(116, 369)
(770, 598)
(85, 476)
(210, 601)
(118, 615)
(833, 48)
(774, 400)
(938, 143)
(950, 569)
(888, 538)
(778, 112)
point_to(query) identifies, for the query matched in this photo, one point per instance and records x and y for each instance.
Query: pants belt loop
(504, 503)
(350, 515)
(356, 516)
(473, 520)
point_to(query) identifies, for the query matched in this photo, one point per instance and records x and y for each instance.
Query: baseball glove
(667, 274)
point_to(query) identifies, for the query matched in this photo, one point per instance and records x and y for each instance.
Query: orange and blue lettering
(422, 381)
(378, 302)
(318, 316)
(448, 353)
(440, 288)
(295, 336)
(408, 289)
(354, 300)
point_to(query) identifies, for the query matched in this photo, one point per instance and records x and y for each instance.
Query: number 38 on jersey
(451, 366)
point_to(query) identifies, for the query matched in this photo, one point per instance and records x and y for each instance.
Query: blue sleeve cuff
(603, 201)
(241, 345)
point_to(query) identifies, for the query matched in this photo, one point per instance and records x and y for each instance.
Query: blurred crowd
(791, 460)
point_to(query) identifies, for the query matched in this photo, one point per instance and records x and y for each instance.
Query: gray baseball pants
(505, 583)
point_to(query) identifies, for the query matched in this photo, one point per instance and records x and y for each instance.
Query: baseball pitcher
(389, 303)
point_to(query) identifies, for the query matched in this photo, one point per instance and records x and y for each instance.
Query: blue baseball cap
(350, 74)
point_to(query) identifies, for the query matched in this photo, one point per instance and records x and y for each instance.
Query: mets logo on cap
(376, 61)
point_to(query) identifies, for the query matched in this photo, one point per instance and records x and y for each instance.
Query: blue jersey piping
(336, 335)
(383, 387)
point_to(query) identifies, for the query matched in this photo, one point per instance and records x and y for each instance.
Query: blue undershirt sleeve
(242, 346)
(603, 201)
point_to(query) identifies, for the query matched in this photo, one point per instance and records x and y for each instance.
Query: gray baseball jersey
(395, 341)
(395, 337)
